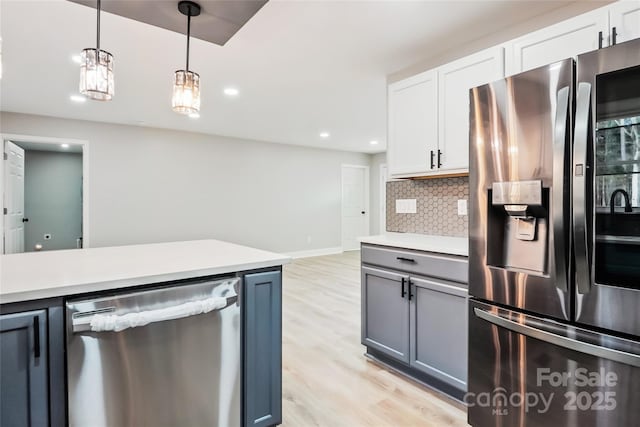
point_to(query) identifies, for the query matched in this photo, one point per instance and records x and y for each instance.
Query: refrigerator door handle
(580, 174)
(559, 340)
(559, 173)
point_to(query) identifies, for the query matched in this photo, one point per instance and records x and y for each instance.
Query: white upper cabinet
(564, 40)
(413, 124)
(454, 80)
(428, 121)
(625, 20)
(429, 116)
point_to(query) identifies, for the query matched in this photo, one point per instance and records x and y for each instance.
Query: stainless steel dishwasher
(168, 356)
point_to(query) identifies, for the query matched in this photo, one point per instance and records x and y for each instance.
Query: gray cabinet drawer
(448, 267)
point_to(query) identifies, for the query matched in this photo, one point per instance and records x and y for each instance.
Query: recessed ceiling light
(76, 59)
(194, 115)
(373, 142)
(231, 91)
(325, 135)
(77, 98)
(64, 146)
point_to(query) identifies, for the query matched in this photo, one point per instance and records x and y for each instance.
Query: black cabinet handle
(439, 159)
(25, 219)
(36, 336)
(432, 159)
(402, 291)
(614, 36)
(410, 283)
(599, 39)
(401, 258)
(363, 212)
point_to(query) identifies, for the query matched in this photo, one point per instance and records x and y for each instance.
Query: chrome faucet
(627, 203)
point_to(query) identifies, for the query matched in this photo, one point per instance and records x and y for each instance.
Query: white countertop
(37, 275)
(421, 242)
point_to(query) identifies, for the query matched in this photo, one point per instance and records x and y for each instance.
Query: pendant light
(186, 84)
(96, 70)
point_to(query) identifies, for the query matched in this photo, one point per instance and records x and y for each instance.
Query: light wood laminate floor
(326, 379)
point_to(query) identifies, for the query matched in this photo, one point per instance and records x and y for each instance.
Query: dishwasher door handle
(99, 321)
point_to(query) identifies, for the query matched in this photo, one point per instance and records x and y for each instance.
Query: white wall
(152, 185)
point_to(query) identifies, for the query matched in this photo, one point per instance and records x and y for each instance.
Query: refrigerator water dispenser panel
(517, 193)
(518, 214)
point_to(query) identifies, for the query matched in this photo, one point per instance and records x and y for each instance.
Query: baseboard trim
(315, 252)
(421, 378)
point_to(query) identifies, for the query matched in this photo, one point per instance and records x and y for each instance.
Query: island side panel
(262, 341)
(50, 397)
(24, 369)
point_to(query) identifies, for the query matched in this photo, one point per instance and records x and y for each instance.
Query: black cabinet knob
(25, 219)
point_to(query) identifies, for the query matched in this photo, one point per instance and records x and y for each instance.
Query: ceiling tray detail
(218, 22)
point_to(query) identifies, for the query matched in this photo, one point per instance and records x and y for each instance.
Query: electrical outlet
(462, 207)
(47, 236)
(308, 239)
(406, 206)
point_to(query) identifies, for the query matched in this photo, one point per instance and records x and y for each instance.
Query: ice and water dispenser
(518, 222)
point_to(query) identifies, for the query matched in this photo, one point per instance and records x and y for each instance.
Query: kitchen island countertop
(31, 276)
(421, 242)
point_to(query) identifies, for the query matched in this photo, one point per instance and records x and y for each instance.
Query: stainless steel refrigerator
(554, 250)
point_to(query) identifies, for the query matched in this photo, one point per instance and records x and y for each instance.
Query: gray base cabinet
(24, 369)
(262, 349)
(414, 311)
(32, 383)
(439, 334)
(32, 357)
(385, 325)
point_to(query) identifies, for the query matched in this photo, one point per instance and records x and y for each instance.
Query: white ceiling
(302, 67)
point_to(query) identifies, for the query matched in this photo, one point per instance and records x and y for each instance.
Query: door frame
(367, 202)
(86, 242)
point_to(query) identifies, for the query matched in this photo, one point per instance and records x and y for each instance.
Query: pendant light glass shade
(96, 74)
(186, 84)
(186, 92)
(96, 68)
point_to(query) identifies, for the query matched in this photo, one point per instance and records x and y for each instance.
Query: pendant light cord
(188, 34)
(98, 31)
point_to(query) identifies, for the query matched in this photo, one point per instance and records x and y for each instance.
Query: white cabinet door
(413, 124)
(557, 42)
(625, 19)
(454, 80)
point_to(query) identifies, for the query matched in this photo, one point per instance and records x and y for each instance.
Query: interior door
(607, 191)
(355, 205)
(14, 199)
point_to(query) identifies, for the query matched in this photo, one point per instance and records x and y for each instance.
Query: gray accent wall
(53, 199)
(153, 185)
